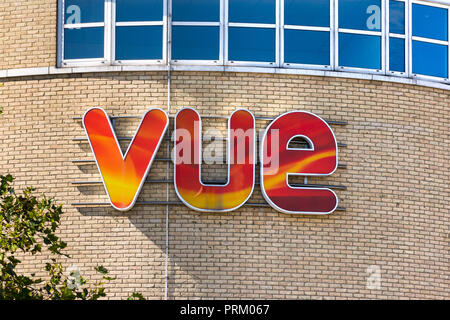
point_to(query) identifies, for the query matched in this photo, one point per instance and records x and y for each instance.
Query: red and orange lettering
(124, 175)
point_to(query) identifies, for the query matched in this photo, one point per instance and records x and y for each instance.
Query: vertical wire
(167, 191)
(168, 44)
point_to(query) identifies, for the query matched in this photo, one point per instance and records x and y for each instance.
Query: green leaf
(29, 225)
(101, 269)
(136, 296)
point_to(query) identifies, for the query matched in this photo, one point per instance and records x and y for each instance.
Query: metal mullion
(307, 28)
(282, 28)
(384, 31)
(336, 34)
(226, 27)
(61, 21)
(222, 33)
(165, 32)
(432, 3)
(429, 40)
(88, 62)
(362, 32)
(277, 33)
(169, 33)
(139, 23)
(85, 25)
(113, 31)
(252, 25)
(396, 35)
(109, 5)
(409, 38)
(196, 23)
(331, 27)
(387, 40)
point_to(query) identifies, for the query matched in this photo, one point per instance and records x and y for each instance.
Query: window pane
(84, 11)
(360, 14)
(430, 59)
(307, 47)
(430, 22)
(397, 17)
(359, 51)
(196, 10)
(314, 13)
(252, 11)
(251, 44)
(397, 54)
(139, 10)
(84, 43)
(139, 43)
(195, 43)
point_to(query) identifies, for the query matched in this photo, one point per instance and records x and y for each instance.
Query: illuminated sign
(124, 175)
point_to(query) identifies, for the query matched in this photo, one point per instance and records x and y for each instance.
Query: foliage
(28, 226)
(136, 296)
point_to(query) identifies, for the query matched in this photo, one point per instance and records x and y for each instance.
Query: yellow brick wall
(397, 177)
(28, 31)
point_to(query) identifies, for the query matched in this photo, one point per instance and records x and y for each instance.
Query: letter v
(123, 176)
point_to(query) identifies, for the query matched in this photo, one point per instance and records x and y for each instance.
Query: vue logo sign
(124, 174)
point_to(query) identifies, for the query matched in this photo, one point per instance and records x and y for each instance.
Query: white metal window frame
(381, 34)
(62, 62)
(115, 24)
(329, 29)
(404, 36)
(219, 24)
(109, 25)
(276, 27)
(428, 40)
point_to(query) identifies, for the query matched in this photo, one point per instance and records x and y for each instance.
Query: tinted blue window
(307, 47)
(360, 14)
(397, 17)
(139, 43)
(397, 54)
(359, 51)
(251, 44)
(84, 43)
(139, 10)
(252, 11)
(196, 10)
(195, 43)
(84, 11)
(430, 59)
(307, 12)
(429, 22)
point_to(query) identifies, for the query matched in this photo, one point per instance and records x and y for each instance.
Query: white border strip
(42, 71)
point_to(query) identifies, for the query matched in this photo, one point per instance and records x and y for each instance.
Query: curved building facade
(376, 71)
